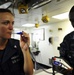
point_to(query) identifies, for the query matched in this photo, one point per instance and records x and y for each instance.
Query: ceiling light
(61, 16)
(16, 29)
(28, 25)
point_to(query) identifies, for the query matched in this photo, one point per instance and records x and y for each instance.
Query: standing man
(67, 46)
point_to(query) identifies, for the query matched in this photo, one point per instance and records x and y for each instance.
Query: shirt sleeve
(64, 47)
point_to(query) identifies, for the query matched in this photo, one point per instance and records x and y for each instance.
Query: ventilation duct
(39, 3)
(5, 5)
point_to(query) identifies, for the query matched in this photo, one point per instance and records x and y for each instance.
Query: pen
(25, 39)
(20, 33)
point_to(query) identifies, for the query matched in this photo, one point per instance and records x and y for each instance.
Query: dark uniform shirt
(1, 55)
(11, 59)
(67, 49)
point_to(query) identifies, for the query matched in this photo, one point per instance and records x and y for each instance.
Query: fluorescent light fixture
(16, 29)
(28, 25)
(61, 16)
(5, 5)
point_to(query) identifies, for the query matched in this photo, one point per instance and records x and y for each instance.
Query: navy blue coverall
(12, 60)
(67, 50)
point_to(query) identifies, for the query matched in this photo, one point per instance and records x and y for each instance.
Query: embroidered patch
(15, 59)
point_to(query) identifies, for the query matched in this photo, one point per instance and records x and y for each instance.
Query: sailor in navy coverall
(15, 58)
(67, 46)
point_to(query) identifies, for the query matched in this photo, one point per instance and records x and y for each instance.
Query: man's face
(6, 25)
